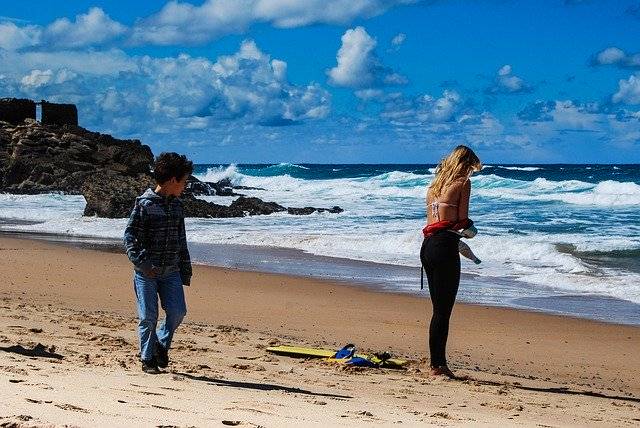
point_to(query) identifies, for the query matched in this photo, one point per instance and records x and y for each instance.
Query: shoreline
(357, 273)
(521, 367)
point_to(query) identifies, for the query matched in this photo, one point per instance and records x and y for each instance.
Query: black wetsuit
(441, 262)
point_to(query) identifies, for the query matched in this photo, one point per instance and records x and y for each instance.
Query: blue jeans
(169, 288)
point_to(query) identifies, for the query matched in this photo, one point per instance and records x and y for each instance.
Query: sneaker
(150, 367)
(162, 355)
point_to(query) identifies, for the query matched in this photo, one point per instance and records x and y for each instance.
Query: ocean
(552, 238)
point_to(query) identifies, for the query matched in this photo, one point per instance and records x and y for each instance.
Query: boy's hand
(152, 272)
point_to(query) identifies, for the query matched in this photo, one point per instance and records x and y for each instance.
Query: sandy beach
(68, 354)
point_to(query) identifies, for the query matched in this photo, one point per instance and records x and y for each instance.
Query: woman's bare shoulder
(458, 183)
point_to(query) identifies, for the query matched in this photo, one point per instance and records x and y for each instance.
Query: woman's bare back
(452, 204)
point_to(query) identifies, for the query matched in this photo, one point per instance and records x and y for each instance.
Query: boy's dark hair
(171, 165)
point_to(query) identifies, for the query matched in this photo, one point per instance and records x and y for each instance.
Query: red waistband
(432, 228)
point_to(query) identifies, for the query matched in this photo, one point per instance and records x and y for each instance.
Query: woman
(447, 212)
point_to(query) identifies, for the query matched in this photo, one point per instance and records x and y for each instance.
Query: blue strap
(346, 352)
(361, 362)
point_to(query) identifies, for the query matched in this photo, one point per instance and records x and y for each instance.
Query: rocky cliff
(108, 172)
(37, 158)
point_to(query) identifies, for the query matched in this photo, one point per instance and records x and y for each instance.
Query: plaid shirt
(155, 235)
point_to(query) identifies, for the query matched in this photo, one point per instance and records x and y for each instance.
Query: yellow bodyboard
(299, 351)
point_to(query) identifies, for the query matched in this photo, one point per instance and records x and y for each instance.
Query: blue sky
(339, 81)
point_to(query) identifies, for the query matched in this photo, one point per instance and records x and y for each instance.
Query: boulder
(38, 158)
(311, 210)
(112, 195)
(196, 187)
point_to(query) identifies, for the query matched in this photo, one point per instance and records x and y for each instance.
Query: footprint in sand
(71, 407)
(236, 423)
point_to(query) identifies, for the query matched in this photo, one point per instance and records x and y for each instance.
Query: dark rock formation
(36, 158)
(110, 173)
(16, 110)
(205, 188)
(311, 210)
(112, 195)
(59, 114)
(242, 207)
(255, 206)
(223, 187)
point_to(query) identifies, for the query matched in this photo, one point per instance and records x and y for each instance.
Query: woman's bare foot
(442, 371)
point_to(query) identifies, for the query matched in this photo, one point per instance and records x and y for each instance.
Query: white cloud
(370, 94)
(92, 28)
(577, 123)
(279, 69)
(100, 63)
(395, 79)
(185, 23)
(13, 37)
(569, 115)
(37, 78)
(616, 56)
(398, 39)
(356, 60)
(248, 85)
(165, 95)
(610, 55)
(358, 65)
(292, 13)
(507, 83)
(628, 91)
(423, 109)
(178, 23)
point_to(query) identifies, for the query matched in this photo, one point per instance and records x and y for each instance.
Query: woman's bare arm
(463, 204)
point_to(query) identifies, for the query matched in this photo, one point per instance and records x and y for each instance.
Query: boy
(156, 244)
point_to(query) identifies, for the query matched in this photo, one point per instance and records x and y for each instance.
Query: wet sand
(522, 368)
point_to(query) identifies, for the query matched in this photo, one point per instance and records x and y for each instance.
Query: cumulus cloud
(358, 65)
(178, 23)
(616, 56)
(628, 91)
(37, 78)
(13, 37)
(90, 29)
(423, 109)
(505, 82)
(546, 121)
(567, 113)
(164, 95)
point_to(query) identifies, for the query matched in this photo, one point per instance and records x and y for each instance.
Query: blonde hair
(460, 163)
